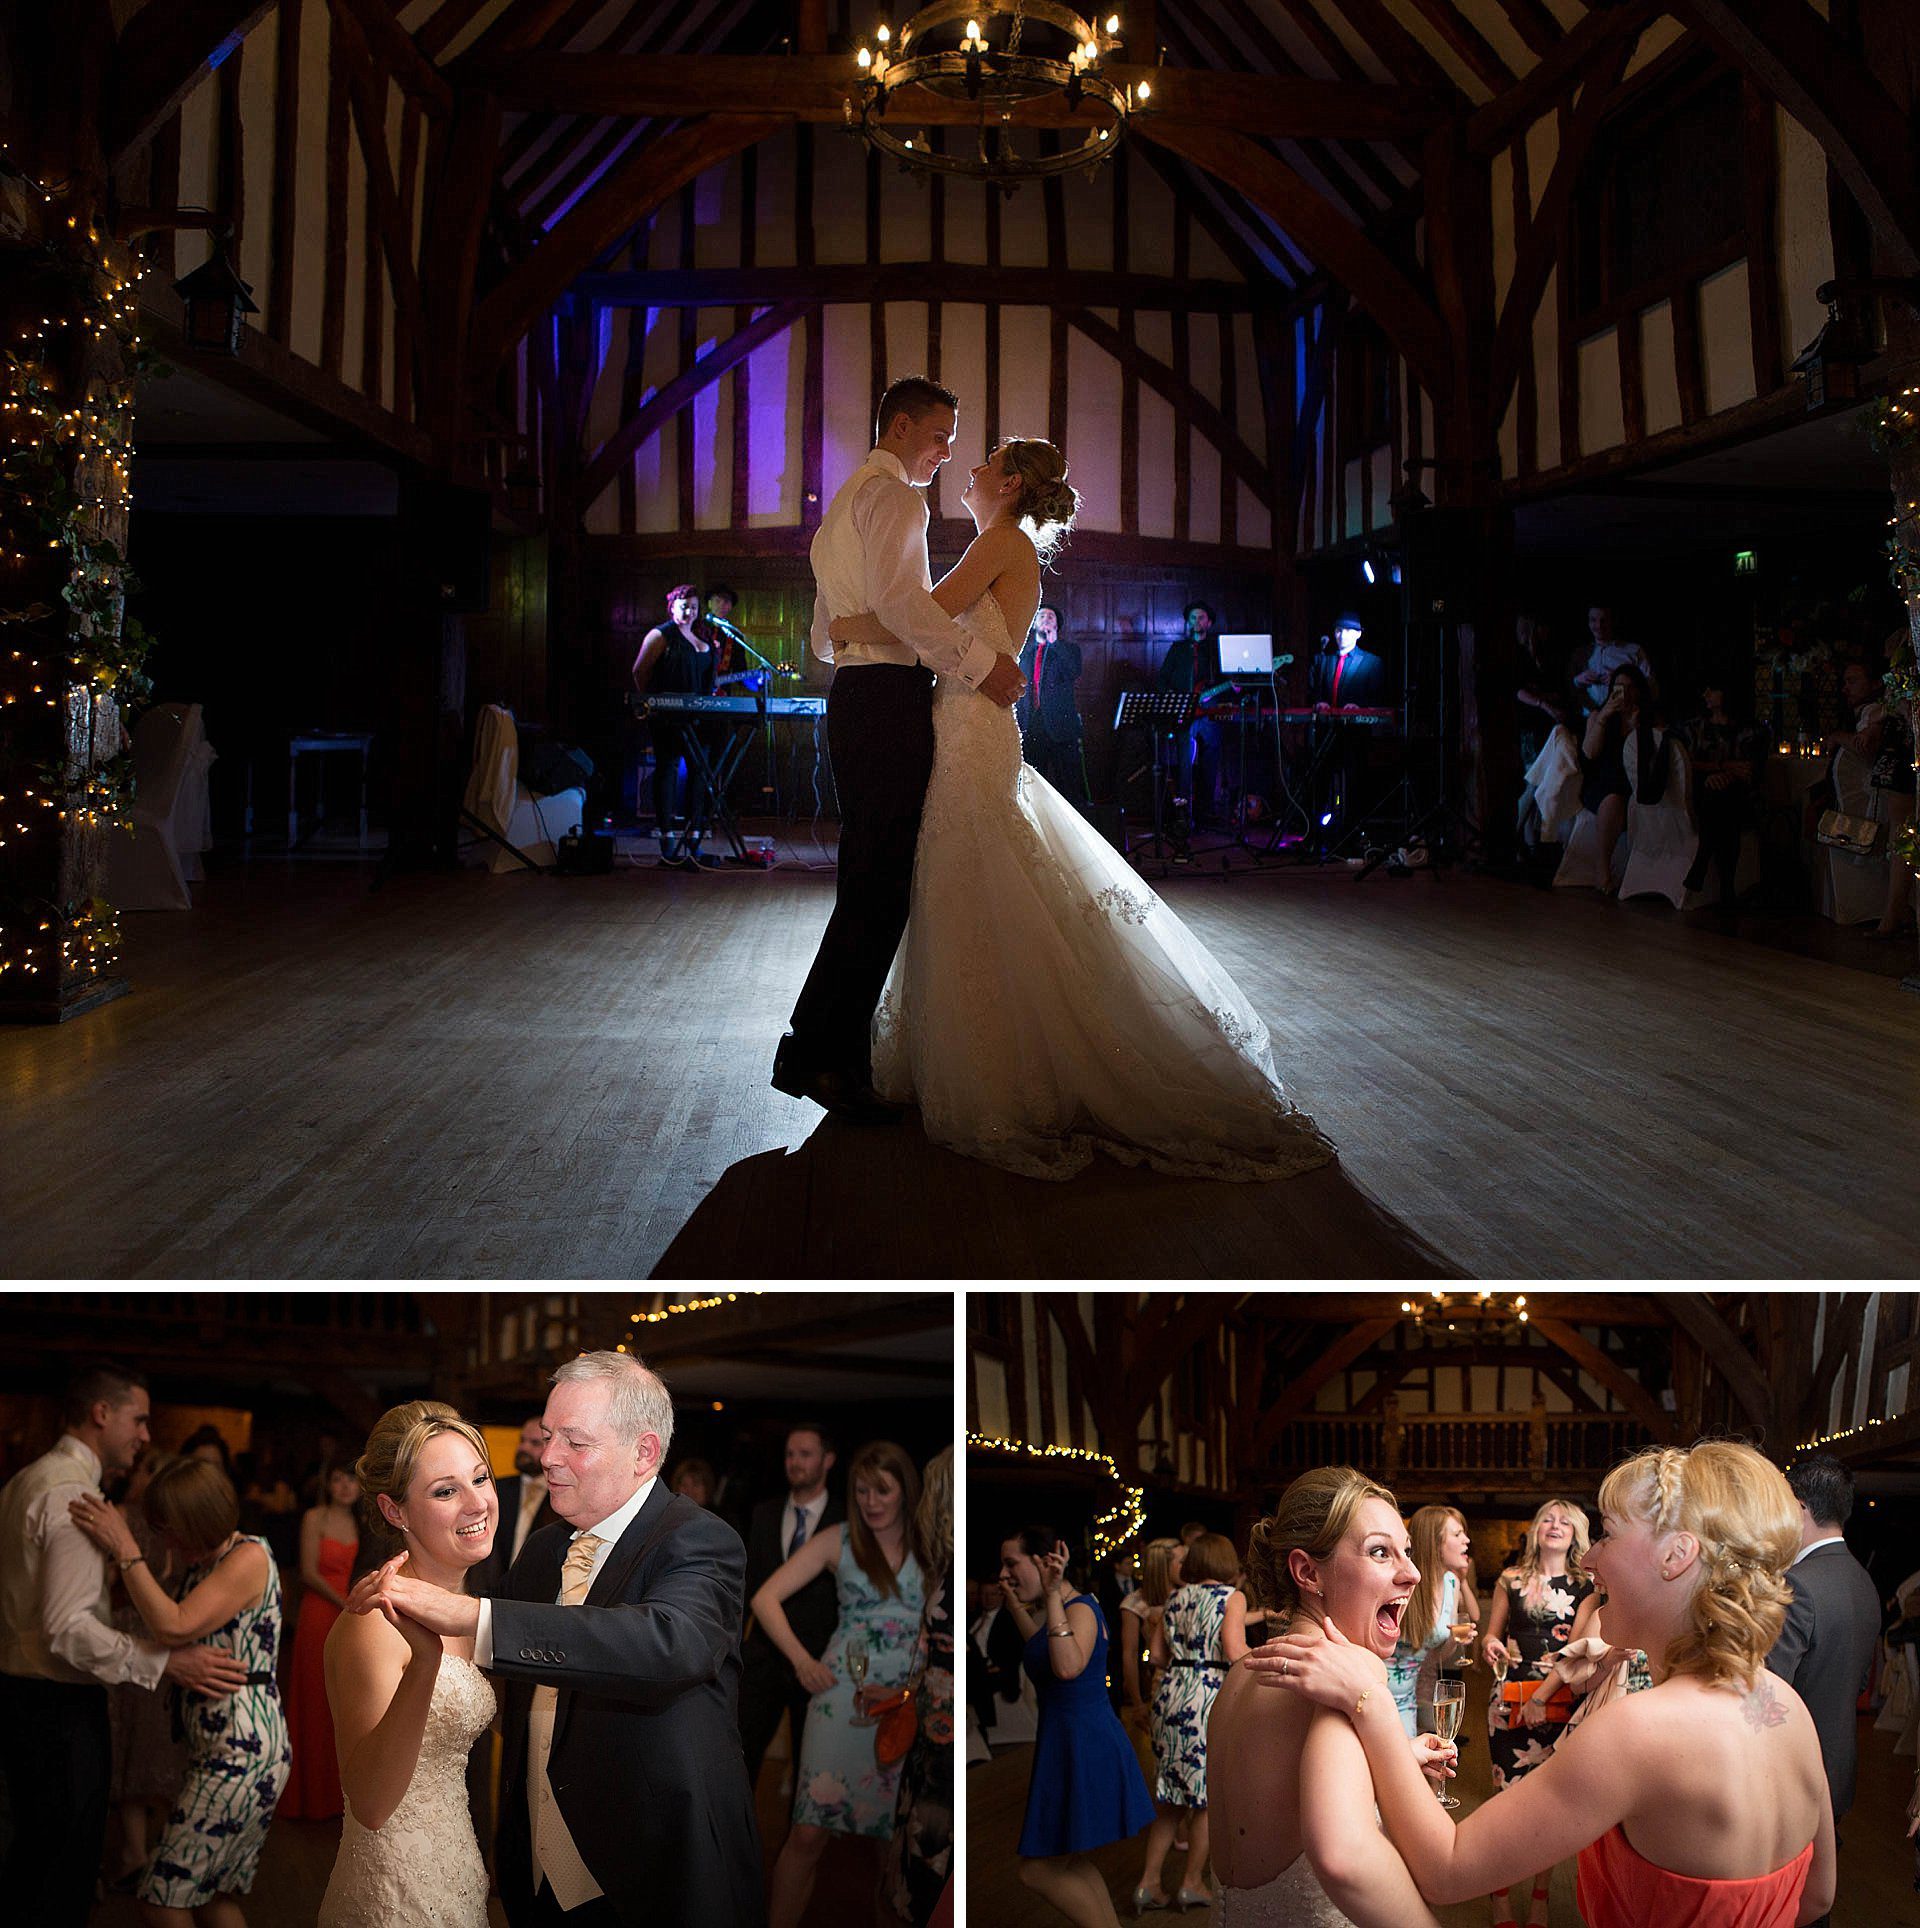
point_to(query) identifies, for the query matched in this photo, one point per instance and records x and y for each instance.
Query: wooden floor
(524, 1076)
(1876, 1859)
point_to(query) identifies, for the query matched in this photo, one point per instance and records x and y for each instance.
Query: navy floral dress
(238, 1759)
(1196, 1616)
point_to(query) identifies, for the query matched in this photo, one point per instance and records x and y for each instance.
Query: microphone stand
(771, 788)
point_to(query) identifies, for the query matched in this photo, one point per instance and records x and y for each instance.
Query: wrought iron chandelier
(995, 57)
(1447, 1309)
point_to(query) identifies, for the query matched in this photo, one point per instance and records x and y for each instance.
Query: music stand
(1165, 713)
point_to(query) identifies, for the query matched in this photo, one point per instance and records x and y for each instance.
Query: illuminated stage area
(568, 1078)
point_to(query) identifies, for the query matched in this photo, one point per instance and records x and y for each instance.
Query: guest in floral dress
(1202, 1632)
(1534, 1607)
(237, 1749)
(839, 1786)
(920, 1861)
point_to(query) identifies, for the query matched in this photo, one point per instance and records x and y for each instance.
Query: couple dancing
(1044, 1004)
(1701, 1800)
(624, 1796)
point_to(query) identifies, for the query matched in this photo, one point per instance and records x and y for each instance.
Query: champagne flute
(1502, 1662)
(1462, 1632)
(856, 1659)
(1449, 1702)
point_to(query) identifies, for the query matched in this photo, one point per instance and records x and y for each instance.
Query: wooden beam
(1375, 281)
(1298, 1393)
(286, 137)
(1695, 1313)
(400, 57)
(161, 55)
(1845, 1318)
(333, 298)
(1162, 1342)
(1762, 158)
(815, 88)
(1177, 390)
(937, 280)
(1598, 1365)
(1558, 74)
(1542, 248)
(1798, 60)
(626, 196)
(671, 399)
(392, 220)
(1469, 45)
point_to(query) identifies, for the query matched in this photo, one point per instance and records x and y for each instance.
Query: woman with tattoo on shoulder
(1700, 1800)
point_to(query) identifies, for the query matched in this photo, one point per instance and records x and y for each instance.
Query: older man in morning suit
(1825, 1650)
(624, 1801)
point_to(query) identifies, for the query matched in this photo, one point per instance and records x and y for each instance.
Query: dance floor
(529, 1076)
(1876, 1860)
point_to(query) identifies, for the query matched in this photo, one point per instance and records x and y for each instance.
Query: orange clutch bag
(895, 1726)
(1559, 1702)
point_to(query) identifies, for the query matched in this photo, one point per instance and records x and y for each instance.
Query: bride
(1045, 1003)
(1296, 1843)
(407, 1705)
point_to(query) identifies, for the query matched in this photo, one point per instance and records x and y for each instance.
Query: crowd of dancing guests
(154, 1723)
(1602, 744)
(1674, 1693)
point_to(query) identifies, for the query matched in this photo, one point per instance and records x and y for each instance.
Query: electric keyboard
(1229, 712)
(673, 703)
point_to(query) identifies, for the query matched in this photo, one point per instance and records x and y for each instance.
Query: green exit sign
(1745, 563)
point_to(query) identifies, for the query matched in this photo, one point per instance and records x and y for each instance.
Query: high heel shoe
(1194, 1897)
(1145, 1898)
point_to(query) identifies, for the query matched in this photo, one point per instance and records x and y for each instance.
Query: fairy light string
(1114, 1527)
(69, 365)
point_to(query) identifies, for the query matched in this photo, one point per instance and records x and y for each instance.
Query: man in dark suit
(1347, 676)
(1192, 666)
(778, 1530)
(525, 1507)
(1826, 1647)
(625, 1799)
(1048, 715)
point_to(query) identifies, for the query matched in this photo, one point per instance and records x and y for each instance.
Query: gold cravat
(554, 1854)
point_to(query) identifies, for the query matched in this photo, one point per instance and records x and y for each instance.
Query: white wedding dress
(1045, 1003)
(423, 1868)
(1294, 1898)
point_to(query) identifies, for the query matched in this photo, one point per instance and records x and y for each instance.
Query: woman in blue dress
(238, 1754)
(839, 1786)
(1087, 1789)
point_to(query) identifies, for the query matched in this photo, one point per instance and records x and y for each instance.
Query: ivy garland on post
(68, 371)
(1894, 430)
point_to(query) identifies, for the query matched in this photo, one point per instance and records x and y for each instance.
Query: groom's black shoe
(841, 1094)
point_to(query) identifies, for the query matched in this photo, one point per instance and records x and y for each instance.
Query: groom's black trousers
(880, 736)
(58, 1753)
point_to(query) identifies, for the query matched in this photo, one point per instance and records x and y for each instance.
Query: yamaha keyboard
(673, 703)
(1375, 718)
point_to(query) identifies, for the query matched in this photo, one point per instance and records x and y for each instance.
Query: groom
(624, 1799)
(870, 553)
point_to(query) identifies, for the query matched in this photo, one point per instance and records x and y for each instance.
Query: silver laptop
(1246, 655)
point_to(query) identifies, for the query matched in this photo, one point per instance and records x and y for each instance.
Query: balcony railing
(1477, 1450)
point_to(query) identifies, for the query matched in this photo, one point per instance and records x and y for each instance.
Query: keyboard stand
(708, 775)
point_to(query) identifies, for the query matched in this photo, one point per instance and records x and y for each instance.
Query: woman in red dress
(1701, 1800)
(329, 1538)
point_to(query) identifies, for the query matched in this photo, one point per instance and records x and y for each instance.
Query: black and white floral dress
(1539, 1627)
(1196, 1617)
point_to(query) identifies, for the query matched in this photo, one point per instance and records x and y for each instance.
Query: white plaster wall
(1726, 338)
(1602, 421)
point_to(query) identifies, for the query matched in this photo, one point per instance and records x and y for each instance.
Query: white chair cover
(497, 797)
(1663, 837)
(1852, 889)
(150, 865)
(1553, 785)
(1583, 863)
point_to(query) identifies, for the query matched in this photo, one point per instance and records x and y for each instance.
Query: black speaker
(453, 530)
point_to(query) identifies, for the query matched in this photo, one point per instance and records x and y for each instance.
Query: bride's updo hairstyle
(1738, 1505)
(385, 1470)
(1048, 501)
(1314, 1514)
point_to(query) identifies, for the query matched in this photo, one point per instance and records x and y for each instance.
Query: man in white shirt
(59, 1653)
(870, 554)
(1606, 656)
(623, 1798)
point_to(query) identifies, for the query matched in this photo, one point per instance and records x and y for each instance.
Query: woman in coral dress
(329, 1538)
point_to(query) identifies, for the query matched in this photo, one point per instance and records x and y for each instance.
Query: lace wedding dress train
(1045, 1003)
(1294, 1898)
(424, 1867)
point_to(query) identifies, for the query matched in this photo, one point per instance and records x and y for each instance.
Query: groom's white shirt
(870, 553)
(609, 1530)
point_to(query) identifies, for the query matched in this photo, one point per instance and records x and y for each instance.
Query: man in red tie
(1351, 677)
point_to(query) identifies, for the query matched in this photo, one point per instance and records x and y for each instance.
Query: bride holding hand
(1045, 1003)
(408, 1705)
